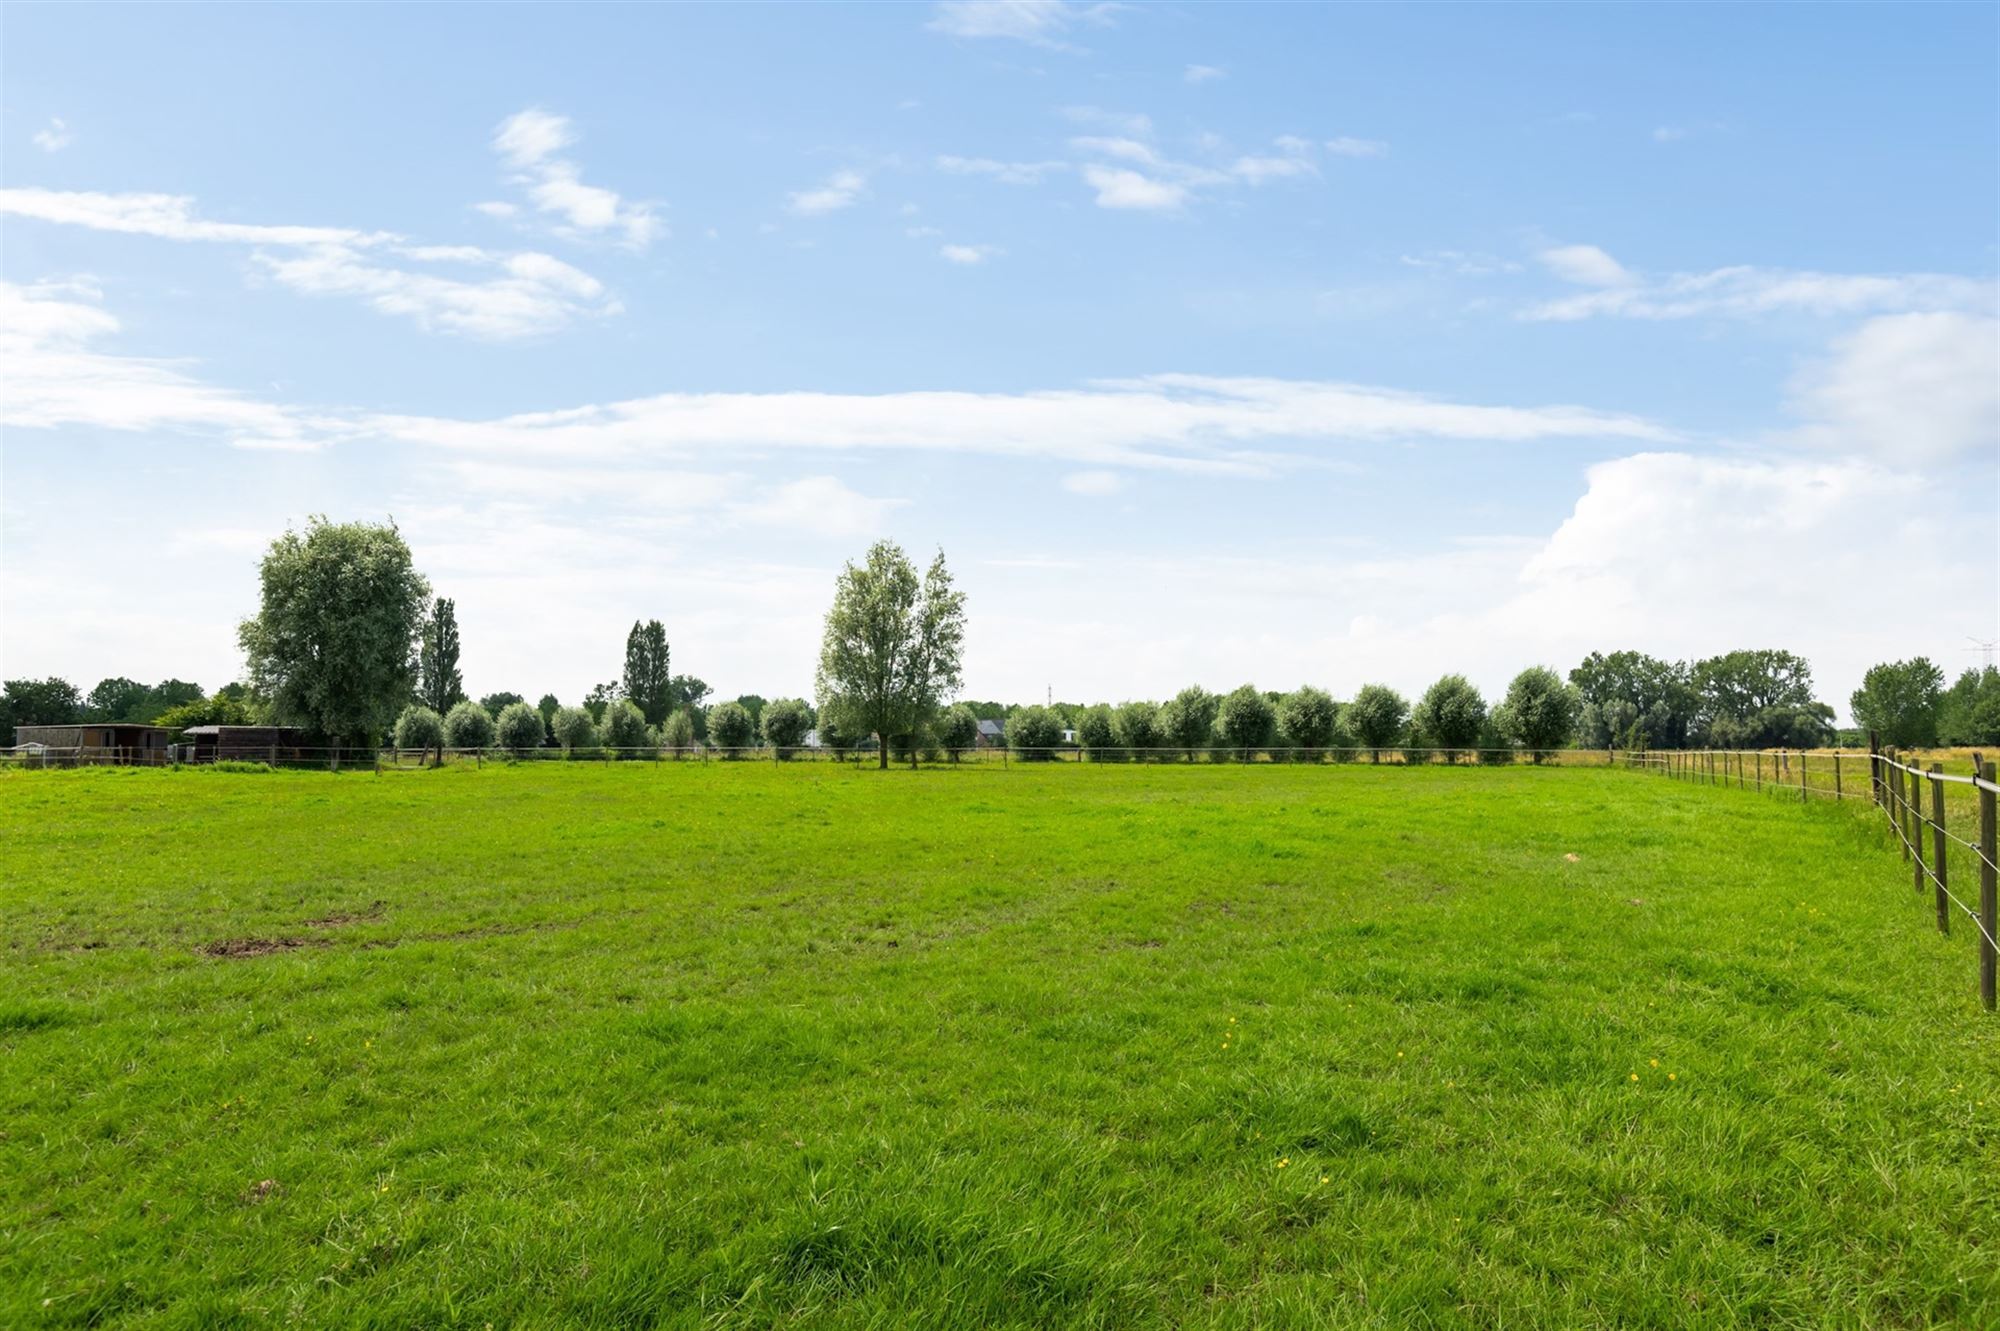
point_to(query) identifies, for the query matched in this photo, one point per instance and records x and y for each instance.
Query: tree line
(350, 644)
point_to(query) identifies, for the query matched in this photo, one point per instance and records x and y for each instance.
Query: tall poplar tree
(440, 687)
(648, 681)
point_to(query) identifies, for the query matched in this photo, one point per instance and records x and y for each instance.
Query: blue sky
(1211, 343)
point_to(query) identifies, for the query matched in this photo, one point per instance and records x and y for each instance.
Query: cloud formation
(531, 142)
(461, 289)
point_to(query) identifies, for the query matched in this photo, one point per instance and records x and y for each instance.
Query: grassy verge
(740, 1044)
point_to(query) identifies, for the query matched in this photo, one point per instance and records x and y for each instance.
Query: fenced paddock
(1136, 1046)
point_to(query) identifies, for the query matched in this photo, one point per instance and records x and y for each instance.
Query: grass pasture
(746, 1045)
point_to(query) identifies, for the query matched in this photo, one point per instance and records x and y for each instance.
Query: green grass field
(684, 1045)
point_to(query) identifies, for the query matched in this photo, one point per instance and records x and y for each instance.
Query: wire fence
(1943, 822)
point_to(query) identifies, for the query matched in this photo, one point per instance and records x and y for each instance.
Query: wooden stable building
(93, 742)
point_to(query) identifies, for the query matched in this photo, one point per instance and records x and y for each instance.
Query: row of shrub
(521, 727)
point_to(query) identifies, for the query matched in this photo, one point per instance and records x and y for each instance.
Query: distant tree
(690, 691)
(1901, 701)
(624, 729)
(1661, 695)
(784, 724)
(574, 729)
(165, 694)
(730, 726)
(1034, 732)
(677, 731)
(1188, 720)
(1450, 715)
(957, 730)
(548, 707)
(600, 697)
(1736, 686)
(333, 645)
(752, 703)
(1137, 728)
(1969, 712)
(891, 649)
(1377, 717)
(1095, 732)
(439, 686)
(832, 737)
(519, 727)
(648, 681)
(1307, 719)
(1540, 712)
(496, 703)
(1245, 721)
(221, 710)
(39, 702)
(468, 726)
(418, 727)
(115, 700)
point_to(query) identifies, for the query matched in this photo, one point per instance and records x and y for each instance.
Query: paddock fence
(1943, 821)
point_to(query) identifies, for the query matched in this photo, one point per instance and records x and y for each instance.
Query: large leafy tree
(1245, 720)
(439, 686)
(334, 644)
(1188, 719)
(1451, 714)
(890, 655)
(38, 702)
(1737, 686)
(1970, 713)
(1308, 719)
(1377, 717)
(1901, 701)
(1541, 711)
(647, 680)
(115, 699)
(1627, 688)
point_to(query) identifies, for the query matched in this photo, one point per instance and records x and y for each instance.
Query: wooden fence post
(1875, 791)
(1916, 832)
(1836, 776)
(1805, 797)
(1898, 815)
(1989, 882)
(1937, 847)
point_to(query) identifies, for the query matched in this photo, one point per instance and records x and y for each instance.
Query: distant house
(206, 744)
(992, 735)
(95, 742)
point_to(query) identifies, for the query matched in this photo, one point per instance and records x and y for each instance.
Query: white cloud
(1669, 134)
(1202, 74)
(1461, 262)
(50, 378)
(1118, 187)
(1910, 389)
(518, 294)
(1744, 292)
(1038, 22)
(1096, 484)
(530, 142)
(1491, 606)
(168, 216)
(969, 254)
(1351, 147)
(54, 136)
(530, 294)
(1257, 170)
(496, 208)
(1007, 173)
(1585, 265)
(821, 505)
(1132, 124)
(841, 190)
